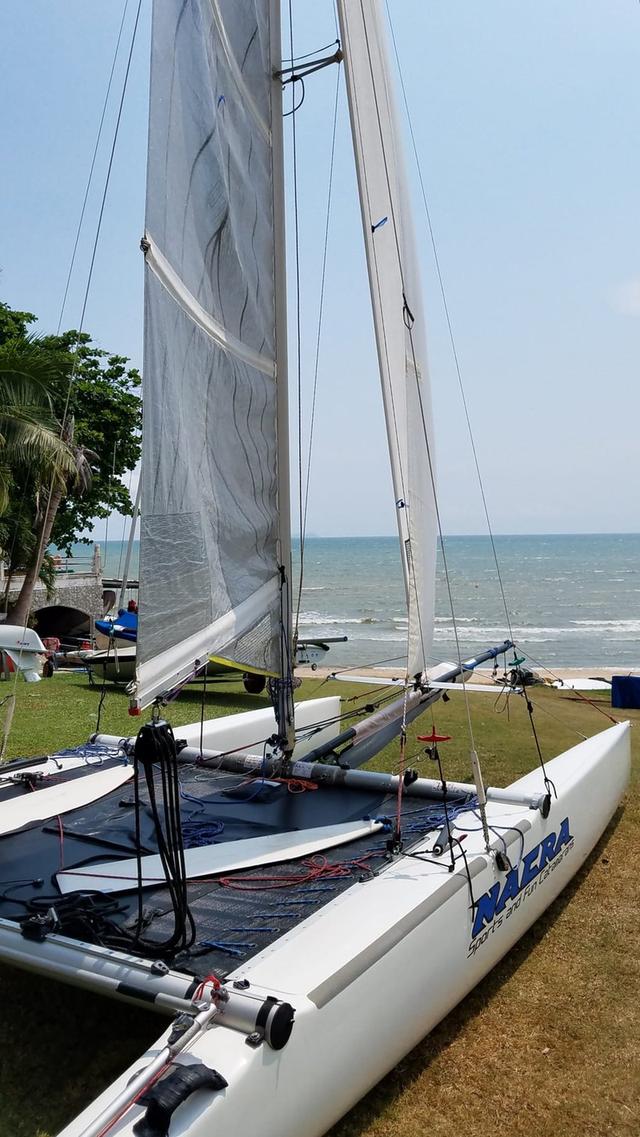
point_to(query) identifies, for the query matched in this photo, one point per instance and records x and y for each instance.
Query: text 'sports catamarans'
(191, 878)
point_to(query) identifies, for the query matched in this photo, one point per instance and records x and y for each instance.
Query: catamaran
(244, 875)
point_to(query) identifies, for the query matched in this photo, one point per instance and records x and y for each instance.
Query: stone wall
(76, 590)
(81, 589)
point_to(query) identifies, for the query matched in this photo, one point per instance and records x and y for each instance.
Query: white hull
(376, 969)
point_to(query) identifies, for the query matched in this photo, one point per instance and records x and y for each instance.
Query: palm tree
(73, 474)
(33, 446)
(29, 432)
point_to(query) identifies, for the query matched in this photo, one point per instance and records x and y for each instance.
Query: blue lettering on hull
(493, 902)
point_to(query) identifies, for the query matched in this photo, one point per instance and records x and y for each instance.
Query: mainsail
(397, 308)
(215, 516)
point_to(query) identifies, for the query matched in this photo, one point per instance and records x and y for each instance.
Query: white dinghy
(280, 903)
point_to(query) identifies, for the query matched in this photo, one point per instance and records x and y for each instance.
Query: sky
(526, 117)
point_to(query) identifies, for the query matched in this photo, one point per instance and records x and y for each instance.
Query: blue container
(625, 692)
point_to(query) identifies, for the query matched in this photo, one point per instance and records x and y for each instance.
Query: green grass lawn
(548, 1044)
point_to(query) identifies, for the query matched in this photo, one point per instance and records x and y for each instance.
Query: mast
(283, 688)
(132, 533)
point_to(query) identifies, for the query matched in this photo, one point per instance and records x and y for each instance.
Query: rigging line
(296, 238)
(409, 323)
(546, 778)
(365, 186)
(578, 693)
(104, 198)
(63, 424)
(359, 666)
(454, 622)
(563, 722)
(124, 530)
(323, 274)
(296, 106)
(397, 835)
(202, 707)
(409, 326)
(383, 352)
(111, 477)
(411, 580)
(103, 692)
(92, 167)
(16, 527)
(336, 19)
(322, 293)
(310, 54)
(449, 324)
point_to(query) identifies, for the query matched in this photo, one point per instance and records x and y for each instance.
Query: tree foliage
(96, 395)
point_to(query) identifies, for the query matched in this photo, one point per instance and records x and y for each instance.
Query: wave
(610, 625)
(471, 632)
(335, 621)
(581, 629)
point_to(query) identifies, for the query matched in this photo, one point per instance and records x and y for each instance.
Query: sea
(574, 601)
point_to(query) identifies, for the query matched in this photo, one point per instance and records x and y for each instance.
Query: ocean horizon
(573, 599)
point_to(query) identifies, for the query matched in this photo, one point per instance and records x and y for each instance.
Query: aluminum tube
(328, 775)
(96, 968)
(284, 707)
(422, 787)
(390, 718)
(364, 749)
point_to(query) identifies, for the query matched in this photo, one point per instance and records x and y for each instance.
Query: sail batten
(397, 309)
(213, 527)
(174, 285)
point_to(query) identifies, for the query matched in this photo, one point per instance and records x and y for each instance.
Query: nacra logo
(494, 901)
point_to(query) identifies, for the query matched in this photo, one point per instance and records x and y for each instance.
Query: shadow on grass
(414, 1065)
(232, 697)
(61, 1047)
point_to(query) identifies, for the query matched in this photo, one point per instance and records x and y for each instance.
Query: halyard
(548, 1044)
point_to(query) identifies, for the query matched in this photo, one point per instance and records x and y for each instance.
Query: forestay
(397, 308)
(209, 545)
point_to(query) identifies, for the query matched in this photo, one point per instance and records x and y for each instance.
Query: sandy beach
(482, 675)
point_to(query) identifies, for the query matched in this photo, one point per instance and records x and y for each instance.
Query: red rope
(199, 992)
(315, 868)
(208, 979)
(134, 1100)
(296, 785)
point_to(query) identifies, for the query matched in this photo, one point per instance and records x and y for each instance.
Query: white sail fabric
(397, 308)
(209, 576)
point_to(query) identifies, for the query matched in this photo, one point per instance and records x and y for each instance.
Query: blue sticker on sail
(493, 902)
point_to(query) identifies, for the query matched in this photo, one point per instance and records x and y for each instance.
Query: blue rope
(197, 833)
(233, 801)
(281, 915)
(248, 931)
(301, 901)
(236, 950)
(94, 753)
